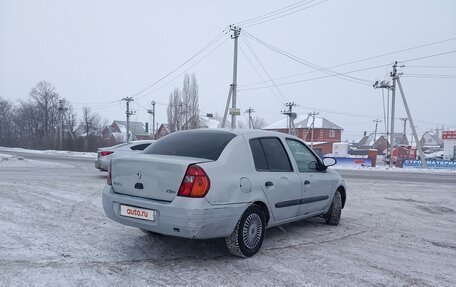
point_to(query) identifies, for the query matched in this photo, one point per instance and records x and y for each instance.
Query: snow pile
(7, 160)
(53, 152)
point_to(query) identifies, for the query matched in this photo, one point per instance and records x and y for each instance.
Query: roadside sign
(235, 112)
(449, 135)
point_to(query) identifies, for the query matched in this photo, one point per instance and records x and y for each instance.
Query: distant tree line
(40, 120)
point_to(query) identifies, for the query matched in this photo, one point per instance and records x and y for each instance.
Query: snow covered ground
(53, 232)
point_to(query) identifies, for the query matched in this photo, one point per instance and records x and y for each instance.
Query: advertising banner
(449, 135)
(434, 164)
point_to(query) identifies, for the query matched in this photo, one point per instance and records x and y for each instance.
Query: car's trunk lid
(150, 176)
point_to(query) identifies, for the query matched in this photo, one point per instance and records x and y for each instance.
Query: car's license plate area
(136, 212)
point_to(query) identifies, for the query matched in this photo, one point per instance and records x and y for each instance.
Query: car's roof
(127, 145)
(142, 141)
(244, 132)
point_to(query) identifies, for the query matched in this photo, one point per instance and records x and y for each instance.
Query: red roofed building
(325, 132)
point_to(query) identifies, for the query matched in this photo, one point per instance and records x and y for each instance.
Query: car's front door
(275, 175)
(317, 184)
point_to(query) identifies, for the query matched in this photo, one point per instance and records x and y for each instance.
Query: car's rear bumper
(183, 217)
(101, 165)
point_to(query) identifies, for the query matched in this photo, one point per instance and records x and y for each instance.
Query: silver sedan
(223, 183)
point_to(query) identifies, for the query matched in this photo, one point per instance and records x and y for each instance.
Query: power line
(185, 71)
(216, 39)
(212, 42)
(437, 76)
(429, 56)
(439, 67)
(350, 72)
(261, 76)
(274, 12)
(334, 112)
(308, 63)
(371, 58)
(265, 71)
(313, 79)
(284, 15)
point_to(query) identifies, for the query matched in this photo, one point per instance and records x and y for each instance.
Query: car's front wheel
(248, 235)
(332, 217)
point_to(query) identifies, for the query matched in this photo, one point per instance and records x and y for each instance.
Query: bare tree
(90, 122)
(183, 107)
(258, 123)
(193, 104)
(46, 99)
(6, 124)
(27, 125)
(174, 113)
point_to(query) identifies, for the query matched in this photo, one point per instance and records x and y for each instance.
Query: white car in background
(104, 155)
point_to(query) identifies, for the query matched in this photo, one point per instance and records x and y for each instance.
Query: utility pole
(60, 123)
(62, 111)
(153, 119)
(250, 111)
(411, 138)
(394, 76)
(313, 114)
(412, 126)
(152, 112)
(233, 87)
(235, 36)
(386, 85)
(227, 107)
(405, 126)
(396, 81)
(183, 109)
(128, 113)
(179, 112)
(291, 117)
(376, 124)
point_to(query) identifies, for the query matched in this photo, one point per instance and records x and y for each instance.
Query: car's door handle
(306, 182)
(268, 184)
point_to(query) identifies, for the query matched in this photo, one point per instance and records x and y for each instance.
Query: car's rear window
(195, 143)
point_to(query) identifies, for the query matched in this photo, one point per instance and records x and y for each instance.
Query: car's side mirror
(329, 161)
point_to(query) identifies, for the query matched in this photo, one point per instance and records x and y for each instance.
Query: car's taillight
(109, 178)
(105, 153)
(196, 183)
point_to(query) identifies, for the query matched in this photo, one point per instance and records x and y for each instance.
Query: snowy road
(397, 229)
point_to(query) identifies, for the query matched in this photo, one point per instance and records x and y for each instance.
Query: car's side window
(258, 155)
(305, 159)
(140, 146)
(270, 155)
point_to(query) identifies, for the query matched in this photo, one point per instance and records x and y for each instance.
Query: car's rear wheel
(332, 217)
(248, 235)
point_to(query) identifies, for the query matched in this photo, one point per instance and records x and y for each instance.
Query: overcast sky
(97, 52)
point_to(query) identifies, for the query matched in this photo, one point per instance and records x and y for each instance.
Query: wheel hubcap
(252, 231)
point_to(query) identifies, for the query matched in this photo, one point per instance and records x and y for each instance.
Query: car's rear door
(317, 184)
(274, 173)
